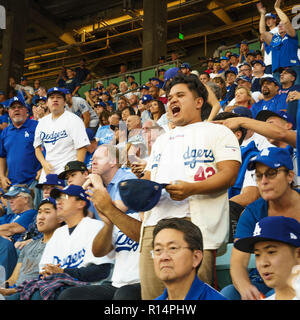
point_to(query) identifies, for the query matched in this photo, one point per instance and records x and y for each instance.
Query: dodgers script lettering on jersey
(72, 260)
(192, 156)
(125, 243)
(53, 137)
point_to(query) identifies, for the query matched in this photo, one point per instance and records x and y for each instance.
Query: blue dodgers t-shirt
(104, 135)
(16, 145)
(198, 291)
(253, 213)
(284, 51)
(275, 104)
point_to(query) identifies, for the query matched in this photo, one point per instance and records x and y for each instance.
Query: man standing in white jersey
(62, 134)
(200, 161)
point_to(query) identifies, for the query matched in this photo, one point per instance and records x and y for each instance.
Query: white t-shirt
(74, 250)
(61, 138)
(268, 56)
(191, 153)
(260, 141)
(126, 269)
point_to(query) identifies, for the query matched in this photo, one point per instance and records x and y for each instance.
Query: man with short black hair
(62, 133)
(188, 184)
(177, 255)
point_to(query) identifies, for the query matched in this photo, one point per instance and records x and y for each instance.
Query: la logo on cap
(257, 230)
(293, 236)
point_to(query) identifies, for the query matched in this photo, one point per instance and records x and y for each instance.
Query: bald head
(133, 122)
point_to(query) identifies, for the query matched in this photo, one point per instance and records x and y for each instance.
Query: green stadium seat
(84, 89)
(223, 267)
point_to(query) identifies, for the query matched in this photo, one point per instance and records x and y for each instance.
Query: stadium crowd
(102, 194)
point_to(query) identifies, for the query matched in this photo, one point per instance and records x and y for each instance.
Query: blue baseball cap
(146, 98)
(90, 133)
(244, 64)
(273, 157)
(106, 93)
(153, 78)
(258, 61)
(47, 200)
(71, 190)
(270, 79)
(52, 180)
(15, 190)
(185, 65)
(277, 228)
(144, 87)
(264, 115)
(244, 78)
(148, 192)
(170, 73)
(230, 71)
(243, 112)
(40, 99)
(66, 91)
(101, 103)
(223, 58)
(251, 53)
(2, 92)
(270, 15)
(17, 99)
(234, 55)
(53, 90)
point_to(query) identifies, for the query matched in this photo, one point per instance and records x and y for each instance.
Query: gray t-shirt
(80, 106)
(30, 257)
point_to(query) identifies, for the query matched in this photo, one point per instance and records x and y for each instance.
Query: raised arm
(269, 130)
(267, 36)
(284, 19)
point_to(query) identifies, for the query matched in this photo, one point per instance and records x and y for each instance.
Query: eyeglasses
(173, 250)
(269, 174)
(15, 197)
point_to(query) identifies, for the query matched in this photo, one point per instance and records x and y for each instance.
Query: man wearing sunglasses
(274, 176)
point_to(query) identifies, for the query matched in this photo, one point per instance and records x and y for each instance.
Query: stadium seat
(223, 267)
